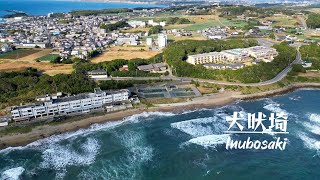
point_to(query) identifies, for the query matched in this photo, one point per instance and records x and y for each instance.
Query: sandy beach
(213, 100)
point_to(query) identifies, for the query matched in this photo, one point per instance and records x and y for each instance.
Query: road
(278, 78)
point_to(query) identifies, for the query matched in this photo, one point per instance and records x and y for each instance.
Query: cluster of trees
(233, 11)
(15, 15)
(103, 11)
(177, 20)
(177, 53)
(114, 26)
(108, 85)
(313, 21)
(112, 67)
(155, 29)
(72, 60)
(204, 10)
(251, 24)
(311, 53)
(24, 86)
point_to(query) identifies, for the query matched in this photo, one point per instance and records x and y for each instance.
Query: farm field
(48, 57)
(314, 10)
(285, 21)
(30, 61)
(124, 52)
(46, 67)
(19, 53)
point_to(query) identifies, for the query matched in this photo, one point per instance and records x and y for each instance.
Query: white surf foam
(58, 157)
(142, 116)
(201, 126)
(83, 132)
(12, 174)
(309, 142)
(129, 165)
(314, 118)
(210, 140)
(274, 107)
(295, 98)
(312, 128)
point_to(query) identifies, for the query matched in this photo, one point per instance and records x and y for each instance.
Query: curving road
(279, 77)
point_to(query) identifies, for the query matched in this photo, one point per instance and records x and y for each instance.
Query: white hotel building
(262, 53)
(53, 105)
(234, 55)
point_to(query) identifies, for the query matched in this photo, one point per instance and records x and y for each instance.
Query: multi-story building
(262, 53)
(234, 56)
(162, 40)
(82, 103)
(149, 41)
(213, 57)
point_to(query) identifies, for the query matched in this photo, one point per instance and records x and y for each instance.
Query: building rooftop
(146, 67)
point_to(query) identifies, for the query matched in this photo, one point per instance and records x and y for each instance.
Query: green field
(201, 26)
(48, 57)
(235, 23)
(19, 53)
(213, 22)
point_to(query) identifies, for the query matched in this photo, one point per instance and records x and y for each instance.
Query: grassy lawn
(20, 53)
(48, 57)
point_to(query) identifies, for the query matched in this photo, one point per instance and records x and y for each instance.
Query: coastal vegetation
(113, 67)
(177, 53)
(23, 86)
(311, 53)
(15, 15)
(103, 11)
(313, 21)
(114, 26)
(249, 11)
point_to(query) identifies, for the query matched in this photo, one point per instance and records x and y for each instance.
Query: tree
(272, 36)
(155, 29)
(114, 26)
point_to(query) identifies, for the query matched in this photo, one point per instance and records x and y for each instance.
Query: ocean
(166, 145)
(43, 7)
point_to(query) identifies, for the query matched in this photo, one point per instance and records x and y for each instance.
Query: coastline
(116, 1)
(211, 101)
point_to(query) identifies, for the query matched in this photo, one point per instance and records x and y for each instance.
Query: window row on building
(71, 104)
(234, 55)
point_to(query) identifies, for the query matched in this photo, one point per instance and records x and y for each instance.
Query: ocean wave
(136, 152)
(142, 116)
(12, 174)
(295, 98)
(59, 157)
(309, 142)
(314, 118)
(210, 140)
(43, 143)
(195, 110)
(200, 126)
(274, 107)
(315, 129)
